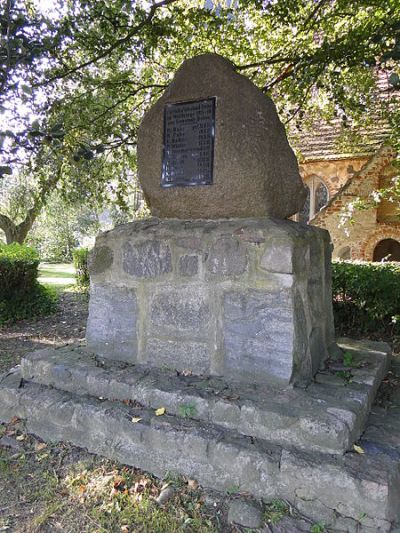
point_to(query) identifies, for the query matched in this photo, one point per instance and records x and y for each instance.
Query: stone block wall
(249, 299)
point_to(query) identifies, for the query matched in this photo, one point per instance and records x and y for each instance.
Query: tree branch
(9, 228)
(282, 76)
(5, 222)
(8, 59)
(274, 60)
(317, 7)
(125, 98)
(136, 29)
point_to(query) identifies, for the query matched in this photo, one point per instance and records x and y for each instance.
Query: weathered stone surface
(182, 355)
(111, 327)
(188, 265)
(258, 334)
(190, 243)
(350, 486)
(196, 281)
(341, 487)
(286, 256)
(148, 259)
(289, 525)
(227, 257)
(278, 257)
(255, 171)
(100, 259)
(180, 309)
(326, 418)
(245, 513)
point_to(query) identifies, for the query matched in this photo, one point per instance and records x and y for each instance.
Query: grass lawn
(57, 487)
(57, 274)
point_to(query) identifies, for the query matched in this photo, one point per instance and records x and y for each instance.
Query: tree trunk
(14, 232)
(18, 232)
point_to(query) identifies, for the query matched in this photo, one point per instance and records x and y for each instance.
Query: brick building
(338, 178)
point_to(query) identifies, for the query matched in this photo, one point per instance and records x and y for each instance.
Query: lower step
(327, 417)
(359, 487)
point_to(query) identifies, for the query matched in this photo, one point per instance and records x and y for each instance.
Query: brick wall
(334, 173)
(356, 231)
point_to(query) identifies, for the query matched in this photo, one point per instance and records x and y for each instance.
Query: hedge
(366, 297)
(80, 257)
(21, 296)
(18, 269)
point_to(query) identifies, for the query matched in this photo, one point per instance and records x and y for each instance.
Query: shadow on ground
(66, 325)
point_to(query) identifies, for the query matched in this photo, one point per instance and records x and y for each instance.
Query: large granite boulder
(255, 172)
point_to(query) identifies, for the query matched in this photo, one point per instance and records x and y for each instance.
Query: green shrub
(366, 297)
(40, 300)
(80, 257)
(21, 296)
(18, 269)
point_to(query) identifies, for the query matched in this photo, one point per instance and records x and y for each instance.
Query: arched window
(317, 198)
(387, 250)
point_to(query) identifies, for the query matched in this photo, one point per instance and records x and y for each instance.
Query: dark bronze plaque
(189, 130)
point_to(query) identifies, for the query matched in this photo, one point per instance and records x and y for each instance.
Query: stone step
(327, 417)
(352, 485)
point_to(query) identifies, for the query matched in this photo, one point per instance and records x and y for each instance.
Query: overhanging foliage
(77, 80)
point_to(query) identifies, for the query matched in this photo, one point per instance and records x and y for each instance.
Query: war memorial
(218, 308)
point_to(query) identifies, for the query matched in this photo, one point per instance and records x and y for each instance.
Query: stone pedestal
(247, 299)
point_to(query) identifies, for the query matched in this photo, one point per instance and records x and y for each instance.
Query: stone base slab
(328, 416)
(247, 299)
(361, 488)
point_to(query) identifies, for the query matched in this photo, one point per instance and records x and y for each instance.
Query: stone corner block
(100, 260)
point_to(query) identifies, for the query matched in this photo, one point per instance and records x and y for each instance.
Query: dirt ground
(67, 325)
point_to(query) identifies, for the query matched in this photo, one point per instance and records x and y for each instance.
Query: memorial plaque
(189, 130)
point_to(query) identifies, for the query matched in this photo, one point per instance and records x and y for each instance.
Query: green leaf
(394, 80)
(26, 89)
(5, 170)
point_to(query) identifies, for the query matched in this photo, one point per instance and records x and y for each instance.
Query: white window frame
(313, 183)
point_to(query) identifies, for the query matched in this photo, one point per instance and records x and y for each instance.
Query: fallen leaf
(192, 484)
(39, 446)
(42, 456)
(358, 449)
(20, 437)
(160, 411)
(119, 483)
(14, 420)
(136, 419)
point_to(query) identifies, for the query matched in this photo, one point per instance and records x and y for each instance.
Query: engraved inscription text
(189, 129)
